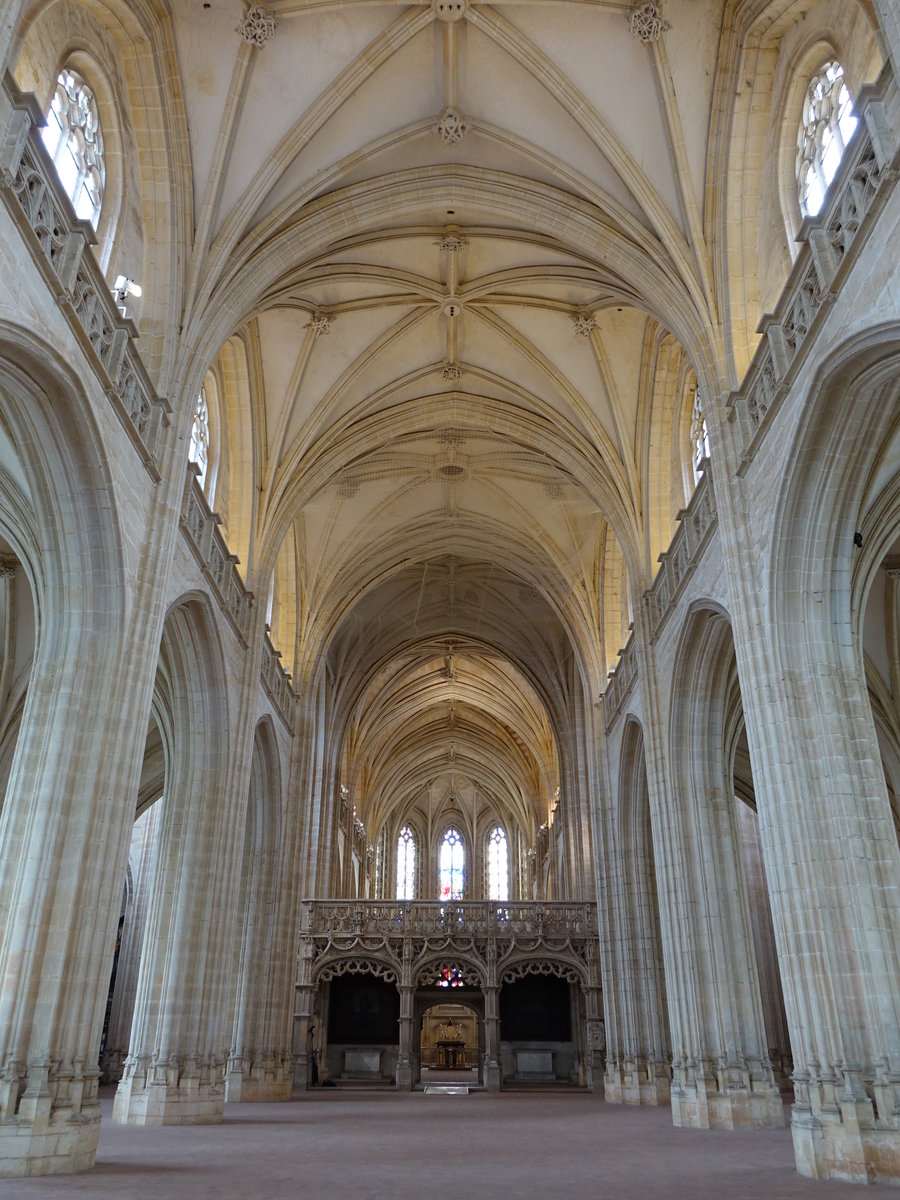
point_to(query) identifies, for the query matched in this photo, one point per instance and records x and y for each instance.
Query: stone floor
(383, 1146)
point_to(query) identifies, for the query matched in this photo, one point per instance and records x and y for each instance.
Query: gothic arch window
(406, 864)
(498, 865)
(74, 141)
(699, 436)
(826, 126)
(452, 866)
(199, 448)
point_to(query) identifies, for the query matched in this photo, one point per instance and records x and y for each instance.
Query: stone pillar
(304, 1039)
(637, 1066)
(259, 1066)
(491, 1071)
(833, 866)
(10, 15)
(594, 1039)
(122, 1009)
(721, 1073)
(764, 944)
(183, 1020)
(889, 20)
(404, 1064)
(63, 842)
(174, 1073)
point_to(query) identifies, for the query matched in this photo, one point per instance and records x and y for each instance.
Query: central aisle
(335, 1144)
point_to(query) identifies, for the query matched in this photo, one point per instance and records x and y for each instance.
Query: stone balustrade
(201, 525)
(277, 682)
(450, 919)
(620, 682)
(696, 525)
(59, 242)
(830, 242)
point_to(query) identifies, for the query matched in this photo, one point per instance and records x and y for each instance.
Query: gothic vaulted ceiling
(452, 272)
(453, 254)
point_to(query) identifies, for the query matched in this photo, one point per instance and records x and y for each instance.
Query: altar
(451, 1047)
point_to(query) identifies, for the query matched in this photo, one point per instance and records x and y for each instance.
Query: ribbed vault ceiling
(453, 256)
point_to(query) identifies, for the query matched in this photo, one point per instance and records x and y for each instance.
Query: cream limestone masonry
(471, 295)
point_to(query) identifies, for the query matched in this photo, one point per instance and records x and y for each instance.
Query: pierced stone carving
(320, 323)
(539, 966)
(647, 22)
(8, 568)
(356, 966)
(257, 26)
(451, 242)
(451, 372)
(201, 525)
(451, 973)
(452, 127)
(584, 324)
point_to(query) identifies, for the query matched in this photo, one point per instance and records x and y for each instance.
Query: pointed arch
(256, 930)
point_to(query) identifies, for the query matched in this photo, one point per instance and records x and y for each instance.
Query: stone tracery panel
(546, 966)
(417, 941)
(333, 968)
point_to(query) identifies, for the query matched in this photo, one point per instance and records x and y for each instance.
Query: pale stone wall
(136, 621)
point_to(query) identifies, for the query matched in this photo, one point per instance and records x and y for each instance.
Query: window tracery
(199, 448)
(74, 141)
(450, 977)
(498, 865)
(699, 435)
(451, 865)
(406, 864)
(826, 127)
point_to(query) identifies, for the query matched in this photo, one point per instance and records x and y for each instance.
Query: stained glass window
(826, 127)
(199, 448)
(74, 141)
(450, 977)
(406, 864)
(498, 866)
(452, 866)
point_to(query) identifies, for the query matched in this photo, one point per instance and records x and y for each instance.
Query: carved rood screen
(416, 943)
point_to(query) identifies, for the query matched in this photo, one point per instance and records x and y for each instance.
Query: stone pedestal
(724, 1100)
(635, 1081)
(404, 1076)
(837, 1136)
(257, 1080)
(490, 1073)
(47, 1139)
(163, 1096)
(655, 1087)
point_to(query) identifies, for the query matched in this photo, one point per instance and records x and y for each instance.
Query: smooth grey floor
(383, 1146)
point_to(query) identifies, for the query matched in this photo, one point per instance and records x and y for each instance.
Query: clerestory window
(406, 864)
(75, 143)
(498, 865)
(199, 448)
(699, 436)
(452, 866)
(826, 127)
